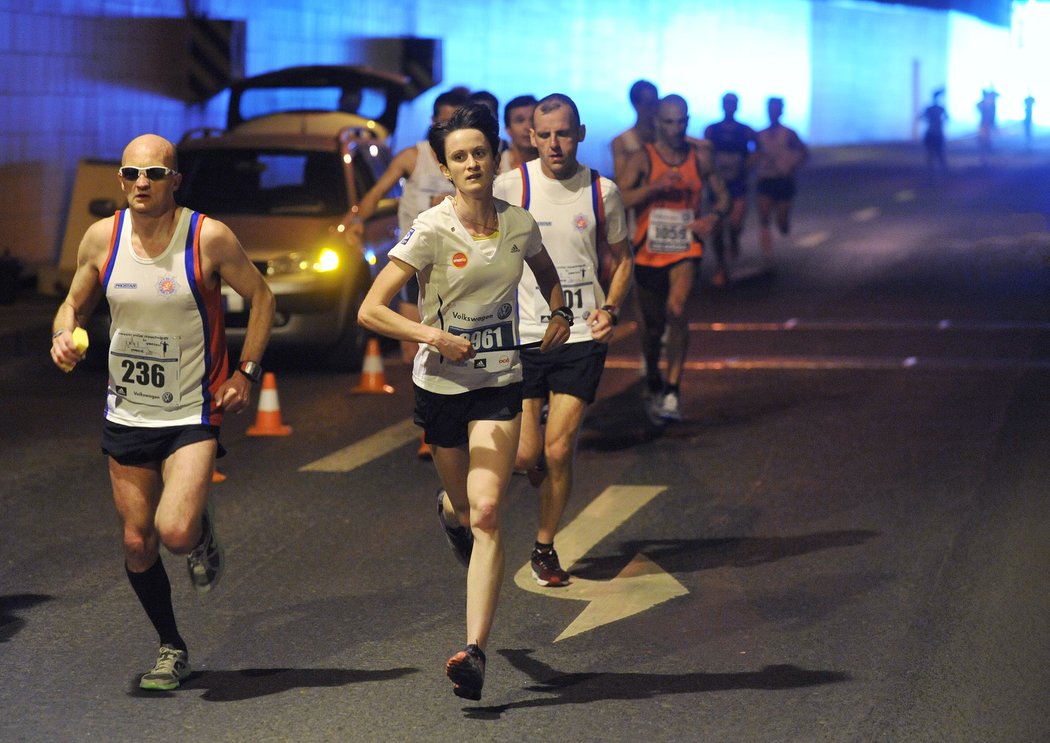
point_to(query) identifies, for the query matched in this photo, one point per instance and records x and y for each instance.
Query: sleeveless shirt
(167, 355)
(574, 215)
(662, 236)
(426, 182)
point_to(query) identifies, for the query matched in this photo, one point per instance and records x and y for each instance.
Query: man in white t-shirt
(581, 218)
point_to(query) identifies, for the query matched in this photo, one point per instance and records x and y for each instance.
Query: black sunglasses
(154, 173)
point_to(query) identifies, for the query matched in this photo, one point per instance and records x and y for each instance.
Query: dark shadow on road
(752, 277)
(619, 422)
(10, 625)
(582, 688)
(250, 683)
(690, 555)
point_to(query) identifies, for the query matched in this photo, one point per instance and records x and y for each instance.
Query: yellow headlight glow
(327, 260)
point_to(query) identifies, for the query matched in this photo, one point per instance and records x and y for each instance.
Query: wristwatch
(252, 370)
(611, 309)
(564, 313)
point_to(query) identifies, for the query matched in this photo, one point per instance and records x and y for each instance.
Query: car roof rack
(202, 132)
(393, 87)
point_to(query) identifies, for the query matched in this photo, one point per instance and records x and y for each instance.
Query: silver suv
(287, 183)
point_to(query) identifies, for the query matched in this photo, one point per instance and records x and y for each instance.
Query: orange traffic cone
(268, 419)
(373, 381)
(217, 476)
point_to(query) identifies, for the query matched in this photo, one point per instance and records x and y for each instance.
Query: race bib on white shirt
(490, 329)
(668, 230)
(577, 285)
(144, 368)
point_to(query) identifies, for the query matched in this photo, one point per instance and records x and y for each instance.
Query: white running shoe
(172, 668)
(669, 410)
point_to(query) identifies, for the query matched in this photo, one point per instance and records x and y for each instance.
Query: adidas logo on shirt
(515, 249)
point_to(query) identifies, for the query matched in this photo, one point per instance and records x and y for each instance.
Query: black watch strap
(564, 313)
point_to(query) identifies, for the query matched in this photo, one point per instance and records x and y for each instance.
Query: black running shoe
(466, 670)
(547, 570)
(460, 538)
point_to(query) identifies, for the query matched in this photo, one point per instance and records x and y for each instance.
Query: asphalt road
(846, 539)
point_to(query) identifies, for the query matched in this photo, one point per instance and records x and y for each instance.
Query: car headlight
(322, 260)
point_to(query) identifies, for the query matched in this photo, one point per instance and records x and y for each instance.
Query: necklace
(485, 225)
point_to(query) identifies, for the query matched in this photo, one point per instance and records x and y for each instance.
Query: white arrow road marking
(366, 450)
(813, 239)
(866, 215)
(639, 586)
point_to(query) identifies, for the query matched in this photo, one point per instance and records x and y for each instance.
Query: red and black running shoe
(466, 670)
(546, 569)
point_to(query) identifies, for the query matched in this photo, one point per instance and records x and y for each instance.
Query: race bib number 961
(491, 331)
(488, 338)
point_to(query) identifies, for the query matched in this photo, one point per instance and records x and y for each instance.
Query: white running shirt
(468, 286)
(568, 217)
(167, 352)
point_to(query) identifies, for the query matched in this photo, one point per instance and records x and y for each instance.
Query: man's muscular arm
(85, 290)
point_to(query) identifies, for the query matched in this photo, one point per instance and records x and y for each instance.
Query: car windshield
(258, 181)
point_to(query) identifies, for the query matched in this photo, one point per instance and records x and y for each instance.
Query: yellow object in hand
(80, 342)
(80, 339)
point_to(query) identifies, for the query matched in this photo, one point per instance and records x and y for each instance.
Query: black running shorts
(572, 369)
(657, 279)
(131, 445)
(778, 189)
(444, 418)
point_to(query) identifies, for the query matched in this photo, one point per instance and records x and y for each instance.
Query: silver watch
(252, 370)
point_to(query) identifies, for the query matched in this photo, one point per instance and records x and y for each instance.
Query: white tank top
(167, 354)
(423, 189)
(571, 221)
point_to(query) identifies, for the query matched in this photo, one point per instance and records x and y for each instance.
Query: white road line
(366, 450)
(813, 239)
(866, 215)
(399, 434)
(795, 323)
(844, 362)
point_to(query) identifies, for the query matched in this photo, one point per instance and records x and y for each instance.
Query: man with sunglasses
(161, 267)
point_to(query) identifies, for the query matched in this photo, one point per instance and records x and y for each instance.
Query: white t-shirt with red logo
(468, 286)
